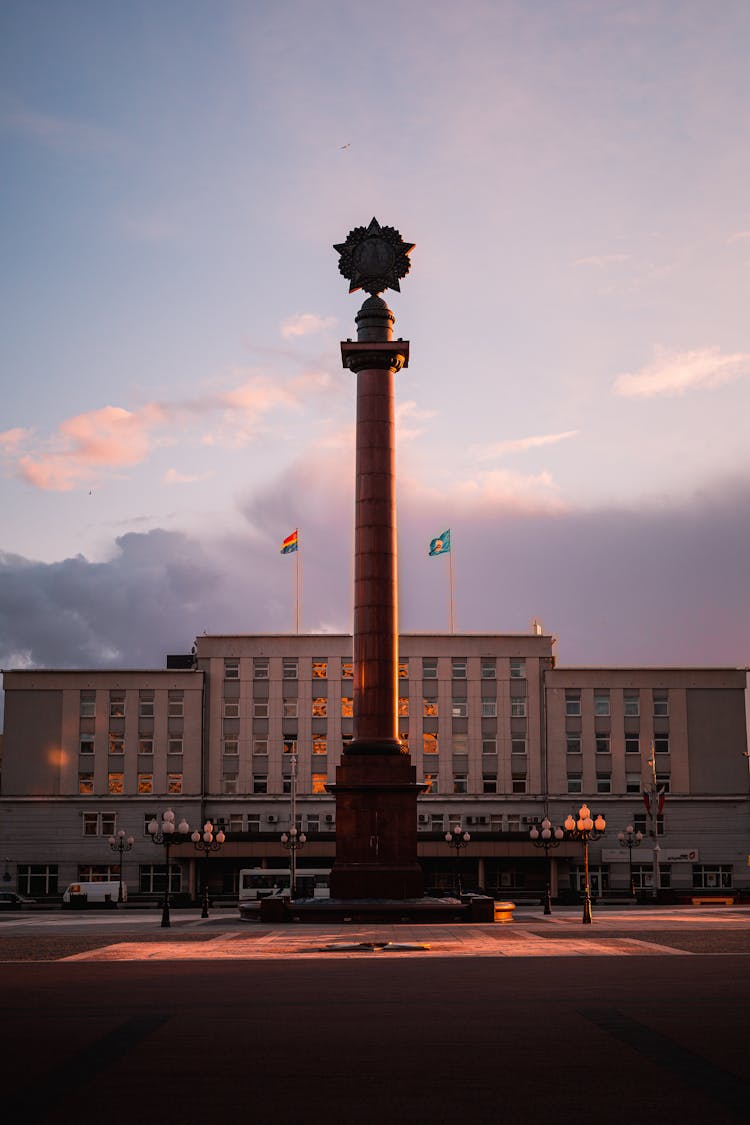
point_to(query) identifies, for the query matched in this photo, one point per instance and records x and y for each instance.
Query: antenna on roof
(536, 627)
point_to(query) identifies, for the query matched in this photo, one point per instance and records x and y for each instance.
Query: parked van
(96, 894)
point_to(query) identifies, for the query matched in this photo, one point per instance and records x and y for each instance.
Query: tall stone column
(376, 789)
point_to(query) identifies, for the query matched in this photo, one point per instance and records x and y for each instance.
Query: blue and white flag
(441, 545)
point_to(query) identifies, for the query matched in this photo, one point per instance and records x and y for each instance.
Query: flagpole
(450, 588)
(297, 586)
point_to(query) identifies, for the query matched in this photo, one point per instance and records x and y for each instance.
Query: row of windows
(116, 745)
(633, 782)
(116, 783)
(290, 666)
(660, 744)
(40, 880)
(146, 704)
(631, 704)
(459, 744)
(261, 708)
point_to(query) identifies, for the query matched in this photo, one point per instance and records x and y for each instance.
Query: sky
(574, 176)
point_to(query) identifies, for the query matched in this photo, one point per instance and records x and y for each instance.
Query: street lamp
(292, 840)
(207, 843)
(164, 834)
(585, 829)
(549, 837)
(120, 844)
(457, 839)
(630, 839)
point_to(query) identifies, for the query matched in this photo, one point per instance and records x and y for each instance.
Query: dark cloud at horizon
(663, 585)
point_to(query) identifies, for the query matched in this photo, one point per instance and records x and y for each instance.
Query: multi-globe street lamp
(293, 840)
(547, 838)
(630, 839)
(120, 843)
(457, 839)
(207, 842)
(585, 829)
(164, 834)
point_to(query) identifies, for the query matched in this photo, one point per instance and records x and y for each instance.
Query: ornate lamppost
(549, 837)
(207, 842)
(164, 834)
(457, 839)
(292, 841)
(630, 839)
(120, 844)
(586, 830)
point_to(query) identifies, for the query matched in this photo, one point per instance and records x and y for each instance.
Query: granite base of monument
(416, 911)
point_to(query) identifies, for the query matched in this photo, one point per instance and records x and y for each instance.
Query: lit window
(174, 783)
(518, 708)
(290, 745)
(489, 708)
(117, 705)
(319, 781)
(115, 784)
(319, 746)
(429, 743)
(403, 705)
(116, 744)
(403, 670)
(320, 669)
(347, 707)
(145, 783)
(517, 668)
(86, 783)
(347, 670)
(429, 708)
(320, 707)
(431, 784)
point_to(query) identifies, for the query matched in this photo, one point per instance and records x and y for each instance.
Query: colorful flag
(441, 545)
(291, 543)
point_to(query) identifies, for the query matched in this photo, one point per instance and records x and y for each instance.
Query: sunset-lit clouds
(306, 324)
(172, 476)
(739, 236)
(519, 445)
(600, 260)
(673, 373)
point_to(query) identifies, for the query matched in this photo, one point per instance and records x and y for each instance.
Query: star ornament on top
(374, 258)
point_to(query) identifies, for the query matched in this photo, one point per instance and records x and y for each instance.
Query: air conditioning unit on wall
(272, 818)
(424, 818)
(329, 818)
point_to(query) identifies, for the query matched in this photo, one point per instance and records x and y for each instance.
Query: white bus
(260, 882)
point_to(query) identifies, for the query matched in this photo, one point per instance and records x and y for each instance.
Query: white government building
(499, 735)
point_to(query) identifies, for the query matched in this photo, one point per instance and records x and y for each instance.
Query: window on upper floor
(601, 703)
(116, 784)
(429, 708)
(145, 783)
(429, 668)
(632, 706)
(572, 704)
(602, 744)
(489, 708)
(231, 668)
(289, 708)
(518, 746)
(347, 670)
(320, 707)
(174, 746)
(573, 744)
(231, 747)
(320, 669)
(403, 669)
(661, 704)
(174, 783)
(661, 744)
(117, 705)
(632, 783)
(517, 668)
(260, 668)
(260, 746)
(460, 783)
(289, 668)
(176, 704)
(403, 706)
(319, 782)
(518, 708)
(319, 746)
(632, 744)
(231, 709)
(347, 707)
(429, 743)
(87, 708)
(488, 668)
(116, 744)
(86, 744)
(458, 667)
(489, 746)
(260, 709)
(460, 708)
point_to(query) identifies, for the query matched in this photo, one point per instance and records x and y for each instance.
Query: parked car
(12, 900)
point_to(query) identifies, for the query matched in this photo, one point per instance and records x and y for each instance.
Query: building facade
(500, 737)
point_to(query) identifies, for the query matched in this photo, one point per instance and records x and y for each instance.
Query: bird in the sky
(347, 145)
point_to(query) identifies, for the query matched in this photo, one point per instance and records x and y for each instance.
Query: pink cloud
(673, 373)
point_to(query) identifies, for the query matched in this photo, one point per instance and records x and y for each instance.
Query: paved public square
(640, 1017)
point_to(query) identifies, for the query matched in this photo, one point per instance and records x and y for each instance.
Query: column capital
(391, 355)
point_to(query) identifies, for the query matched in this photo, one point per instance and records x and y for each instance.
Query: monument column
(376, 789)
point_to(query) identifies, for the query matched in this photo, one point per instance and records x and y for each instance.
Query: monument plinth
(376, 788)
